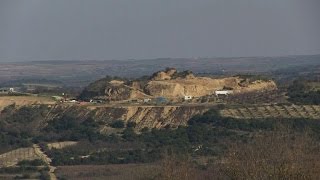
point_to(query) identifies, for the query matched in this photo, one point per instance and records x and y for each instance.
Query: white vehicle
(186, 98)
(223, 92)
(147, 100)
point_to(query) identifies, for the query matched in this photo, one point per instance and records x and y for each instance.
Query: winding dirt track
(46, 159)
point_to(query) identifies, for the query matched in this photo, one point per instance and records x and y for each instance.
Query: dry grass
(13, 157)
(24, 100)
(61, 145)
(112, 172)
(277, 155)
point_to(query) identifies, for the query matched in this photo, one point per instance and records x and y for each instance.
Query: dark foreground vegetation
(210, 146)
(26, 169)
(305, 91)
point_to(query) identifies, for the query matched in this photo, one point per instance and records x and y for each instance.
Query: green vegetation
(36, 162)
(206, 135)
(16, 126)
(301, 92)
(117, 124)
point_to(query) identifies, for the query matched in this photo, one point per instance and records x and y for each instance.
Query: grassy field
(315, 86)
(276, 111)
(13, 157)
(24, 100)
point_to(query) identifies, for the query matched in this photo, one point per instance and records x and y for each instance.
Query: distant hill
(81, 73)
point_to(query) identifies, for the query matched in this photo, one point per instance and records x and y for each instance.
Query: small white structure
(186, 98)
(147, 100)
(223, 92)
(11, 89)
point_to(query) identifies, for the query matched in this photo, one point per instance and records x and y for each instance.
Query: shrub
(117, 124)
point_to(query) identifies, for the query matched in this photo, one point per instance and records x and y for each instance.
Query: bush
(36, 162)
(117, 124)
(131, 124)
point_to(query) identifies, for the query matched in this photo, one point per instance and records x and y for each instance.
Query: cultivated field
(24, 100)
(13, 157)
(275, 111)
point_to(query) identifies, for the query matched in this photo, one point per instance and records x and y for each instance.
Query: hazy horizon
(37, 30)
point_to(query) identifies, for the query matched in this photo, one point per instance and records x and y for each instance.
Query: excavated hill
(173, 84)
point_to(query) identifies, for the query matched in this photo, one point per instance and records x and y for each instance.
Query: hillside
(172, 85)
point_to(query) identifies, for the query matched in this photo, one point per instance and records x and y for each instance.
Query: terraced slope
(24, 100)
(276, 111)
(13, 157)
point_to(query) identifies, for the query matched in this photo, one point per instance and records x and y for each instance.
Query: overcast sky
(135, 29)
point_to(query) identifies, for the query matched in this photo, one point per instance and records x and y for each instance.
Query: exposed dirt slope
(143, 116)
(150, 117)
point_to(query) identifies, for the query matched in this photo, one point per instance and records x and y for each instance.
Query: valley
(130, 123)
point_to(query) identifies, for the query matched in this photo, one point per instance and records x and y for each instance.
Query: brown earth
(61, 145)
(24, 100)
(114, 172)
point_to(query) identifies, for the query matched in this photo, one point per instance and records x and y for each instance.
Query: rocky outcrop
(164, 75)
(117, 92)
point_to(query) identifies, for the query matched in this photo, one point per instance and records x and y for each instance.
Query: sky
(146, 29)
